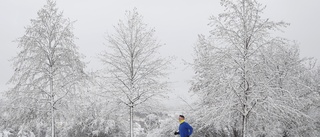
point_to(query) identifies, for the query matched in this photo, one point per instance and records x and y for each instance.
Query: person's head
(181, 117)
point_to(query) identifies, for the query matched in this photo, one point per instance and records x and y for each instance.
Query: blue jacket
(185, 129)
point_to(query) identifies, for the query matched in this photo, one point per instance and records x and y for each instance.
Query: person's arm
(190, 129)
(176, 133)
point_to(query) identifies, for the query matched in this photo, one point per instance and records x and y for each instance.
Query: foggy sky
(177, 24)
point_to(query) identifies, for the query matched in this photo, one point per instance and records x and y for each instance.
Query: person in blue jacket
(185, 130)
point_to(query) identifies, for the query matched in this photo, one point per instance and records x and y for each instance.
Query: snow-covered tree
(134, 71)
(246, 78)
(152, 122)
(47, 71)
(98, 115)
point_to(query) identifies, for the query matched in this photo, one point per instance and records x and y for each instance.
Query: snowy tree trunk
(244, 125)
(245, 83)
(52, 105)
(131, 120)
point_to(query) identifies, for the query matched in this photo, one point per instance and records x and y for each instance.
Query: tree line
(250, 83)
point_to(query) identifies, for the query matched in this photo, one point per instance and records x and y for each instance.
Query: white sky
(177, 24)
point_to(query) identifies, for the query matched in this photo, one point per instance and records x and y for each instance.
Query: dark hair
(181, 116)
